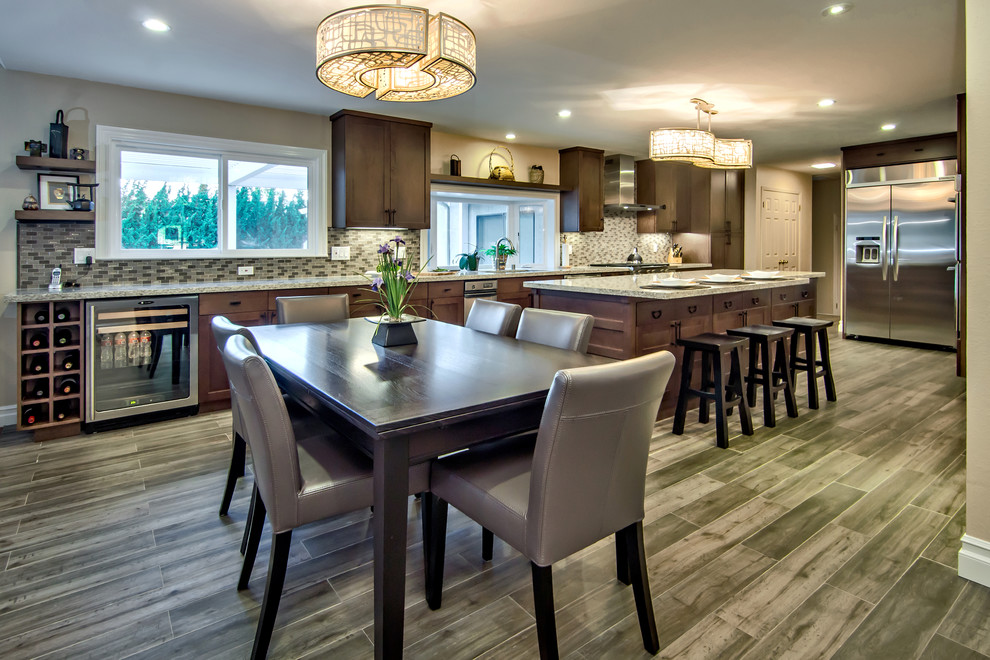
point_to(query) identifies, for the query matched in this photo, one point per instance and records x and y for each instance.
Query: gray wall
(826, 241)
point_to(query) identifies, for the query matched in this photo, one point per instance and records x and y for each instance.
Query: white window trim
(110, 140)
(551, 235)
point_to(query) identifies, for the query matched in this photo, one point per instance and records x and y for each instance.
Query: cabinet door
(409, 181)
(704, 185)
(448, 310)
(656, 184)
(213, 385)
(582, 206)
(360, 170)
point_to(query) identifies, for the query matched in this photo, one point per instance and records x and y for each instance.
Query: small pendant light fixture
(701, 147)
(400, 53)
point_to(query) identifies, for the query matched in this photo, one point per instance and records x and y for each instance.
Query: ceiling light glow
(510, 136)
(824, 103)
(835, 10)
(156, 25)
(564, 113)
(823, 166)
(888, 127)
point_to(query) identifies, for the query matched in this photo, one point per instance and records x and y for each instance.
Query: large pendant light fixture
(700, 147)
(401, 53)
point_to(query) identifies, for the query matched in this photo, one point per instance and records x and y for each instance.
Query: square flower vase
(394, 334)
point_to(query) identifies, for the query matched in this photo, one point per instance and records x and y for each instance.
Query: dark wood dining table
(405, 404)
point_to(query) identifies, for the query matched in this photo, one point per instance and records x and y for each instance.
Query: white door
(779, 230)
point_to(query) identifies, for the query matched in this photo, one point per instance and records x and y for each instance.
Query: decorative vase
(393, 333)
(536, 174)
(500, 261)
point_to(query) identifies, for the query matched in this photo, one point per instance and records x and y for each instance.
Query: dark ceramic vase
(394, 333)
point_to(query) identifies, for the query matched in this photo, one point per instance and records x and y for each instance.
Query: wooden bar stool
(814, 331)
(724, 389)
(773, 372)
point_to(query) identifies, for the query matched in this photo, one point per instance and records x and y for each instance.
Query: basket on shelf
(501, 172)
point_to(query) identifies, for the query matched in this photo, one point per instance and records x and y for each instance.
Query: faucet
(500, 263)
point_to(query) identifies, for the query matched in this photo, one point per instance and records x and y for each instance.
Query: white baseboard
(974, 560)
(8, 415)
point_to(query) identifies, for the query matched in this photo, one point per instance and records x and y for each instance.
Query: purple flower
(410, 277)
(383, 249)
(377, 283)
(398, 240)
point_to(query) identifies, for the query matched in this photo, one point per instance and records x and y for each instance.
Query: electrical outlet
(340, 253)
(245, 270)
(79, 255)
(400, 252)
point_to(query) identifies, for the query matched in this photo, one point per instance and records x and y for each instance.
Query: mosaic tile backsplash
(42, 246)
(616, 243)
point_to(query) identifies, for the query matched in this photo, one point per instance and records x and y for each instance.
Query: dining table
(402, 405)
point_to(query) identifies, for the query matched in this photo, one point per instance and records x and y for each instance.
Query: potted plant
(504, 252)
(468, 260)
(394, 284)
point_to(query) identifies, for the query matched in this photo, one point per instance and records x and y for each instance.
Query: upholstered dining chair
(584, 480)
(493, 317)
(312, 309)
(299, 480)
(553, 328)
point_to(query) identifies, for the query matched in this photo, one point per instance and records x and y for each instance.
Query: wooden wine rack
(46, 408)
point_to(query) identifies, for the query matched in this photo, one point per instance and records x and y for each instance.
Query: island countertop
(631, 286)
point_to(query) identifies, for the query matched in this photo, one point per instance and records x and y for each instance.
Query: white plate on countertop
(673, 283)
(718, 278)
(764, 275)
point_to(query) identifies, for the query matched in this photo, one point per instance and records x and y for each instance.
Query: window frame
(111, 140)
(511, 198)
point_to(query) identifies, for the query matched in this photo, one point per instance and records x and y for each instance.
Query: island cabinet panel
(511, 290)
(793, 301)
(614, 332)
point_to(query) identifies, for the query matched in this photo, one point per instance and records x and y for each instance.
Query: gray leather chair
(493, 317)
(559, 329)
(584, 480)
(312, 309)
(299, 480)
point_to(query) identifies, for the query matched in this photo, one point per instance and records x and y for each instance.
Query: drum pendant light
(700, 147)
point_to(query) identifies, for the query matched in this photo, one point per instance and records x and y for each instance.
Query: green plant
(395, 282)
(503, 251)
(468, 260)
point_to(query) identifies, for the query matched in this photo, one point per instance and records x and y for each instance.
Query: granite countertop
(630, 286)
(196, 288)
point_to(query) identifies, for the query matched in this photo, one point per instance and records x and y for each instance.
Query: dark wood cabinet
(680, 191)
(582, 175)
(380, 171)
(726, 218)
(446, 300)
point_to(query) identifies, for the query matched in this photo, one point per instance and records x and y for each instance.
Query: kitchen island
(631, 320)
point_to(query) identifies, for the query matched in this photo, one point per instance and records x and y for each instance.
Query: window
(464, 221)
(167, 196)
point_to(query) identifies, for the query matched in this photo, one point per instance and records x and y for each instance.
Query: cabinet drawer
(662, 311)
(793, 294)
(284, 293)
(755, 299)
(723, 303)
(235, 301)
(445, 290)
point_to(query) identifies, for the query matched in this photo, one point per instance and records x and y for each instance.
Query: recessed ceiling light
(564, 113)
(156, 25)
(510, 136)
(824, 103)
(835, 10)
(888, 127)
(823, 166)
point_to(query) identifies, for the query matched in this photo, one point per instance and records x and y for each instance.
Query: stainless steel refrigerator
(902, 253)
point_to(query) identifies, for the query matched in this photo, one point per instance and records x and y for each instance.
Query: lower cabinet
(446, 301)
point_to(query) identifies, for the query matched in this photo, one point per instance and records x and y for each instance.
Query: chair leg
(706, 384)
(546, 623)
(235, 471)
(826, 365)
(751, 379)
(810, 350)
(721, 420)
(769, 412)
(781, 363)
(273, 594)
(680, 412)
(621, 561)
(437, 509)
(247, 523)
(487, 544)
(636, 553)
(254, 539)
(735, 381)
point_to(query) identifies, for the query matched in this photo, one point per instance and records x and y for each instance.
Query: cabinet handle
(692, 309)
(756, 300)
(805, 294)
(656, 313)
(727, 304)
(234, 303)
(796, 309)
(783, 296)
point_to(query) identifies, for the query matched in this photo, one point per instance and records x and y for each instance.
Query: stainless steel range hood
(620, 184)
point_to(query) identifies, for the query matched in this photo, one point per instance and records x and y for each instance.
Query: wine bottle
(62, 410)
(36, 389)
(67, 385)
(62, 314)
(38, 365)
(38, 340)
(63, 337)
(29, 416)
(70, 361)
(41, 316)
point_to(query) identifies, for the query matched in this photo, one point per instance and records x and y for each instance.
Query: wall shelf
(55, 216)
(47, 164)
(493, 183)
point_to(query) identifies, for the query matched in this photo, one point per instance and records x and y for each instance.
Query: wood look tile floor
(832, 535)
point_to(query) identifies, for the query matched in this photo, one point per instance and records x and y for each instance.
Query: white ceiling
(622, 67)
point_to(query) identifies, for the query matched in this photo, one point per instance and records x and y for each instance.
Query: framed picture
(54, 191)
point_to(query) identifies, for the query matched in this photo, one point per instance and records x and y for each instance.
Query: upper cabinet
(681, 193)
(582, 175)
(380, 171)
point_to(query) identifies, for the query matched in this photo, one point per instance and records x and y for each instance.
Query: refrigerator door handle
(894, 249)
(883, 249)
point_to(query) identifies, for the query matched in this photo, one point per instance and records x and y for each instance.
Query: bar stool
(774, 374)
(812, 330)
(725, 390)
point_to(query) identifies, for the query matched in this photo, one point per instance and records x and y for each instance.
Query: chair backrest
(559, 329)
(267, 430)
(493, 317)
(223, 330)
(312, 309)
(589, 465)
